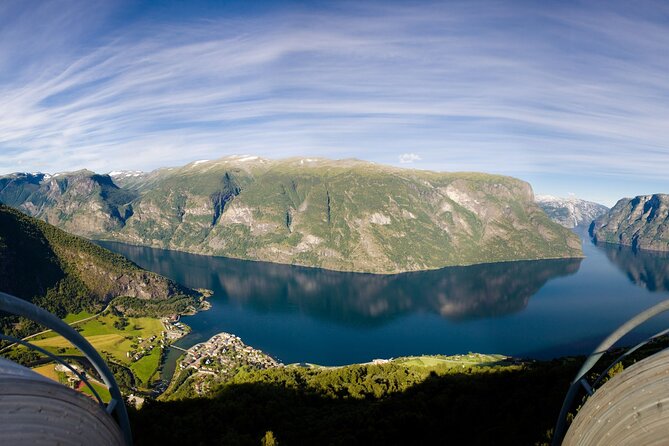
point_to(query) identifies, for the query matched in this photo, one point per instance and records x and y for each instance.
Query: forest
(388, 404)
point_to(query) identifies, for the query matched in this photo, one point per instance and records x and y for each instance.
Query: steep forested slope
(65, 273)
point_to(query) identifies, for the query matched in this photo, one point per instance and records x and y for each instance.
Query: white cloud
(409, 158)
(469, 85)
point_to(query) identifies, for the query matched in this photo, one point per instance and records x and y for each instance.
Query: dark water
(539, 309)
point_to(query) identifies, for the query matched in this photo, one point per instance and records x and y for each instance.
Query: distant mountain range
(641, 222)
(67, 274)
(570, 212)
(343, 215)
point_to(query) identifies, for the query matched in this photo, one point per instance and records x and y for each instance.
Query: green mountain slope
(342, 215)
(67, 274)
(641, 222)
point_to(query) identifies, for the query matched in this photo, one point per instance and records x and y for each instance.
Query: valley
(486, 258)
(162, 350)
(335, 223)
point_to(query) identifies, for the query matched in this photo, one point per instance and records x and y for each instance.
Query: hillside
(68, 274)
(463, 399)
(423, 400)
(343, 215)
(641, 222)
(570, 212)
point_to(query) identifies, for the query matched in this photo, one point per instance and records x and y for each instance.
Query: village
(173, 330)
(223, 353)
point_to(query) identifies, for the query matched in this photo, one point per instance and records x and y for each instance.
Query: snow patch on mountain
(570, 212)
(125, 173)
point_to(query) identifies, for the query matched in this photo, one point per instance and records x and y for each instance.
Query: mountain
(342, 215)
(66, 274)
(641, 222)
(81, 202)
(128, 179)
(570, 212)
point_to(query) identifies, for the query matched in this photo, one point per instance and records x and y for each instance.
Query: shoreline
(220, 357)
(172, 324)
(343, 271)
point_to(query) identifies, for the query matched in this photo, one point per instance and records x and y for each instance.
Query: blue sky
(570, 96)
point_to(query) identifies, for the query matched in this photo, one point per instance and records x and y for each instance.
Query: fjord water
(535, 309)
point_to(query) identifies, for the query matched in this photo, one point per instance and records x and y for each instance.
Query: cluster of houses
(145, 348)
(73, 380)
(225, 352)
(174, 329)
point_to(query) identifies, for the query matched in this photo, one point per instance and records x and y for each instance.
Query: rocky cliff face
(570, 212)
(341, 215)
(16, 189)
(82, 202)
(641, 222)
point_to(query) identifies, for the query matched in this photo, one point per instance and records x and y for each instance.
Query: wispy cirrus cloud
(490, 86)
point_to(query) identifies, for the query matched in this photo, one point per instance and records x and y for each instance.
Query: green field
(102, 391)
(49, 371)
(455, 361)
(114, 342)
(146, 368)
(74, 317)
(429, 361)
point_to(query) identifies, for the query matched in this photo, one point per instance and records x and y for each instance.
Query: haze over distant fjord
(475, 86)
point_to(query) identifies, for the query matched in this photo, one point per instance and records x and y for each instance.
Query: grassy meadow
(115, 341)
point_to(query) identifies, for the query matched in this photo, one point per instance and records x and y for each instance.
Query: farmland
(134, 343)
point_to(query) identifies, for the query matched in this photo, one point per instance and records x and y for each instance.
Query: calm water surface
(535, 309)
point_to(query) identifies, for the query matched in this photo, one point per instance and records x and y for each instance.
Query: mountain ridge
(346, 215)
(570, 212)
(641, 222)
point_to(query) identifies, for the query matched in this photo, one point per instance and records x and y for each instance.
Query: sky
(570, 96)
